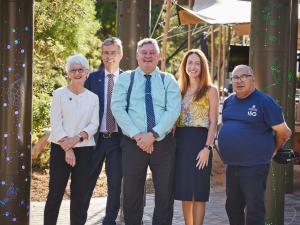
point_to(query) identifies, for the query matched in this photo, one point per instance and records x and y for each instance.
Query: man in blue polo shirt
(253, 130)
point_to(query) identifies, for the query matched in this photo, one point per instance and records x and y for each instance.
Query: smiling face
(111, 57)
(193, 66)
(242, 82)
(77, 74)
(147, 57)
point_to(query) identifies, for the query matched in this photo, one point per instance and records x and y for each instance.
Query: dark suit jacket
(95, 83)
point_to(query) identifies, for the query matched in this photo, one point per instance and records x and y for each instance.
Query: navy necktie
(149, 104)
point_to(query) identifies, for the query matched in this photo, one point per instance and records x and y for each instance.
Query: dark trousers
(107, 149)
(162, 164)
(245, 188)
(59, 174)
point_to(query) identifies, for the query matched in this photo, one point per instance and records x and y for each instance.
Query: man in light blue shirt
(146, 117)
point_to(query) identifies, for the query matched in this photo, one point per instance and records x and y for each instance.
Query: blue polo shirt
(246, 137)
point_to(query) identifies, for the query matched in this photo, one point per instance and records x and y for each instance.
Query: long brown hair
(184, 80)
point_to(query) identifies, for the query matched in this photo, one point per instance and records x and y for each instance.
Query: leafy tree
(107, 14)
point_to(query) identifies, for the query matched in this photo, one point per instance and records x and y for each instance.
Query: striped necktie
(110, 120)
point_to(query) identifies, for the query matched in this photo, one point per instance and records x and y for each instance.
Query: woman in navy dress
(195, 132)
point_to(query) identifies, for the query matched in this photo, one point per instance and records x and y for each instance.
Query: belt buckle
(106, 135)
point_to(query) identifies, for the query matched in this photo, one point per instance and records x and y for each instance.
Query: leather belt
(108, 135)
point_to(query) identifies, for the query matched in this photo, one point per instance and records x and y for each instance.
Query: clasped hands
(145, 141)
(67, 144)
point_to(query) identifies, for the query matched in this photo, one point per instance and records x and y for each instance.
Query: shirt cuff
(159, 132)
(89, 133)
(132, 132)
(57, 136)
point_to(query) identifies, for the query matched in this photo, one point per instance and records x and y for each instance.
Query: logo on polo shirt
(252, 111)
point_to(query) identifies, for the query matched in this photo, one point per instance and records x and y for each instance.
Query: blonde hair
(184, 80)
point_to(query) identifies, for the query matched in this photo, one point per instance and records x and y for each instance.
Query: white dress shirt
(103, 122)
(71, 114)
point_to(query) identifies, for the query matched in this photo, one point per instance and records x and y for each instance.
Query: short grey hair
(113, 41)
(77, 59)
(245, 68)
(145, 41)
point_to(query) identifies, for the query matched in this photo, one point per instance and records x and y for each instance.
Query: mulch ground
(40, 181)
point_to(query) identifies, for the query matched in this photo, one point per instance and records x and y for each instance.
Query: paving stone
(215, 212)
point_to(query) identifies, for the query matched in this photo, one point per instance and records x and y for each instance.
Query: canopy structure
(234, 13)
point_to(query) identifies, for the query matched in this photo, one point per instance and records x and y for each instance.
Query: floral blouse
(194, 113)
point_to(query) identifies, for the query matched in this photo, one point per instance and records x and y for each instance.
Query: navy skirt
(190, 182)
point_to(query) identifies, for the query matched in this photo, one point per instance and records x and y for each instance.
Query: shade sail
(216, 12)
(221, 12)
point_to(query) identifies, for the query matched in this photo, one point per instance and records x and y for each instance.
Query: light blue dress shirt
(166, 101)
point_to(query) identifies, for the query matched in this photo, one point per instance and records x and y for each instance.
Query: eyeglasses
(80, 70)
(112, 53)
(242, 78)
(145, 53)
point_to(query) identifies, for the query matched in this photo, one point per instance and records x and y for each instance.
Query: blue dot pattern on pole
(15, 136)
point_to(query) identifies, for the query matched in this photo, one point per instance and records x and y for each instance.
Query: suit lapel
(101, 83)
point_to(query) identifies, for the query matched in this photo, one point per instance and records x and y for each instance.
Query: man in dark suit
(108, 136)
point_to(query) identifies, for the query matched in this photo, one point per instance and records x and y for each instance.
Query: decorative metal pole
(269, 54)
(16, 44)
(133, 25)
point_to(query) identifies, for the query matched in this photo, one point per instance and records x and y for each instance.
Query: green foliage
(176, 37)
(155, 11)
(62, 28)
(107, 13)
(42, 161)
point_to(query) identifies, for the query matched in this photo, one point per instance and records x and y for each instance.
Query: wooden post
(168, 6)
(219, 57)
(269, 56)
(224, 44)
(190, 30)
(212, 54)
(133, 21)
(291, 87)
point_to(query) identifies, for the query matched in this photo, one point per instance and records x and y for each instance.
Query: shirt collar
(153, 73)
(116, 73)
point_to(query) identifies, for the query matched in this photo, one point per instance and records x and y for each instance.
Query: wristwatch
(209, 147)
(155, 134)
(80, 138)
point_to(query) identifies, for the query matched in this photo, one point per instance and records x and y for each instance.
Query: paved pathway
(215, 213)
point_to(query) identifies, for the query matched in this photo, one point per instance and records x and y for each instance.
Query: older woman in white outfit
(74, 120)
